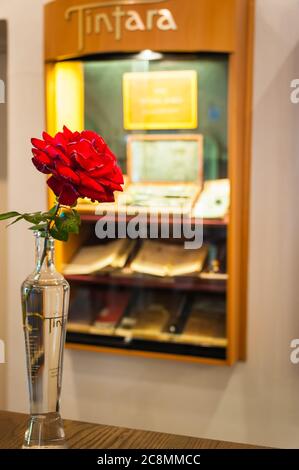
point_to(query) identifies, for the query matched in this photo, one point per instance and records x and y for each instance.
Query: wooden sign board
(81, 27)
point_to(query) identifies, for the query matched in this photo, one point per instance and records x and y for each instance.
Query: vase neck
(44, 253)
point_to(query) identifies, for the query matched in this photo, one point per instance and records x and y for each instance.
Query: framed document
(165, 158)
(160, 100)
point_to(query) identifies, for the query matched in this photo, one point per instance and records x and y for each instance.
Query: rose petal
(56, 185)
(85, 148)
(67, 173)
(48, 139)
(42, 156)
(76, 136)
(67, 133)
(43, 168)
(91, 136)
(57, 153)
(87, 182)
(110, 154)
(60, 140)
(41, 160)
(118, 175)
(110, 184)
(39, 144)
(68, 196)
(110, 171)
(64, 191)
(109, 196)
(100, 196)
(88, 164)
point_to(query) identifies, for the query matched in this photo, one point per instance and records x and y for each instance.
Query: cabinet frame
(213, 26)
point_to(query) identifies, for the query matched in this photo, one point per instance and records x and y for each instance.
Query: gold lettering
(80, 11)
(88, 22)
(102, 17)
(118, 13)
(166, 21)
(150, 18)
(134, 22)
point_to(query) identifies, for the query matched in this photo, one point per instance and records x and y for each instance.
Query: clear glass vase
(45, 301)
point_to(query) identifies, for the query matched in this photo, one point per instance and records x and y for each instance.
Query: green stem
(43, 257)
(46, 241)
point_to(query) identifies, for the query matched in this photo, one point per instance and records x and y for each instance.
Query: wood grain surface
(95, 436)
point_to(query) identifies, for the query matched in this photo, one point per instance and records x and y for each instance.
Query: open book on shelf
(92, 259)
(166, 259)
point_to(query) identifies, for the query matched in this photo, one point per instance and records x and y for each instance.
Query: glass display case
(169, 281)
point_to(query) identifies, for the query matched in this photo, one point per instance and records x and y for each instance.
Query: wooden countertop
(95, 436)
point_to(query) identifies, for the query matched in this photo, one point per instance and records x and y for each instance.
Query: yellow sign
(160, 100)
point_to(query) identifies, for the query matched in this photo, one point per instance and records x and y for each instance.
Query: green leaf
(53, 210)
(77, 215)
(51, 214)
(16, 220)
(62, 225)
(77, 218)
(68, 222)
(35, 218)
(9, 215)
(59, 234)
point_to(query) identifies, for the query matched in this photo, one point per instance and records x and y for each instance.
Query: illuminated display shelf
(91, 218)
(180, 283)
(145, 347)
(75, 60)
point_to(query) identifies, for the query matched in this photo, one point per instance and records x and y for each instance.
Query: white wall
(26, 190)
(254, 402)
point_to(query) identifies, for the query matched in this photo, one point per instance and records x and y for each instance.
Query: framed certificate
(160, 100)
(165, 158)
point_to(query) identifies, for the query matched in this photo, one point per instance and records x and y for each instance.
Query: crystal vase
(45, 301)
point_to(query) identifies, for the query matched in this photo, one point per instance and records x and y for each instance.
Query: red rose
(80, 164)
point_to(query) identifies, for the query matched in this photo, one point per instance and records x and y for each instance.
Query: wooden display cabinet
(78, 33)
